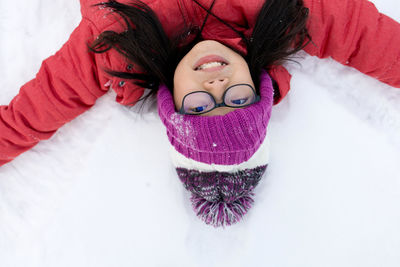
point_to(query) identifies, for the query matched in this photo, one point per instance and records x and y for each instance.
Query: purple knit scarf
(226, 140)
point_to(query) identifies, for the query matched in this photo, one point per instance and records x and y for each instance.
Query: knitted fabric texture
(221, 198)
(221, 194)
(221, 186)
(228, 139)
(220, 159)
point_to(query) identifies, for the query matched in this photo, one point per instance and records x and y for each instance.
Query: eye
(198, 109)
(239, 101)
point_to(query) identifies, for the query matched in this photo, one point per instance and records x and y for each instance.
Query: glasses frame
(222, 104)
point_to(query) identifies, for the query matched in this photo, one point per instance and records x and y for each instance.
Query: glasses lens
(197, 103)
(240, 95)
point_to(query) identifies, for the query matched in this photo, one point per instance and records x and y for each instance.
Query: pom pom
(220, 213)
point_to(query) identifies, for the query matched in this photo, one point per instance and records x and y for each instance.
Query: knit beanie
(220, 159)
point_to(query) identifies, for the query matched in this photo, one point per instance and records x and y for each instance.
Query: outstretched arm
(67, 84)
(354, 33)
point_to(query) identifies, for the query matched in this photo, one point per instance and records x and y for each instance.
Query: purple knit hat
(220, 159)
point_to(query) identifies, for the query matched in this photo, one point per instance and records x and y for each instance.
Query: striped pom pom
(220, 213)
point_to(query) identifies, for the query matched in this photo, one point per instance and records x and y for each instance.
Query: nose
(216, 86)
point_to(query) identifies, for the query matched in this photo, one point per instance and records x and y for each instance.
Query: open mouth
(210, 63)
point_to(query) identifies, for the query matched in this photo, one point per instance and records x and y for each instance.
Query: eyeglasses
(236, 96)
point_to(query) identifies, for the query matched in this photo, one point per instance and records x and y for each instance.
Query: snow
(103, 192)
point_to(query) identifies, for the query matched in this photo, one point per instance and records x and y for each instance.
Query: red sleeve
(354, 33)
(66, 85)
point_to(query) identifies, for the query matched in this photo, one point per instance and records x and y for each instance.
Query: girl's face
(212, 67)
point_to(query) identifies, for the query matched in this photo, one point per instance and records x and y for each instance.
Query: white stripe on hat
(260, 158)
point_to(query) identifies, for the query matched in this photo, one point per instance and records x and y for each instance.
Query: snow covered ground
(102, 191)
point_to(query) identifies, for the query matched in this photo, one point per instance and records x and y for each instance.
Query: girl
(160, 45)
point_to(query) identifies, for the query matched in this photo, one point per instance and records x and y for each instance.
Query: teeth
(210, 65)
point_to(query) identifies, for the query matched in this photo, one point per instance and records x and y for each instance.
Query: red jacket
(68, 83)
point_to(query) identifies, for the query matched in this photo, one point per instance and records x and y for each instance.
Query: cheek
(242, 73)
(177, 101)
(180, 78)
(177, 96)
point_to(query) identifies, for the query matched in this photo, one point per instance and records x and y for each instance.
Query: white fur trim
(260, 158)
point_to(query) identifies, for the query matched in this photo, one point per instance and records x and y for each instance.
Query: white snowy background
(102, 191)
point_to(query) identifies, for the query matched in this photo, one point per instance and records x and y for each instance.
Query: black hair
(279, 32)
